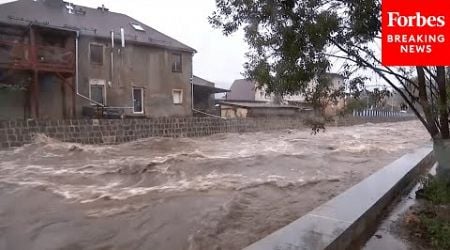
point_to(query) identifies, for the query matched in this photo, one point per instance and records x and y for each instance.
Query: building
(204, 97)
(248, 91)
(60, 60)
(237, 109)
(242, 90)
(245, 94)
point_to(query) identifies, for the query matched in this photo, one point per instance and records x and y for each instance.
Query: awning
(209, 89)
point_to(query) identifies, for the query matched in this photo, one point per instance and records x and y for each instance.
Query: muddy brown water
(218, 192)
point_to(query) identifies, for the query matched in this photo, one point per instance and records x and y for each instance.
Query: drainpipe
(76, 73)
(192, 95)
(77, 78)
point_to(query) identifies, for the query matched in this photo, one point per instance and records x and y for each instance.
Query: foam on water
(225, 190)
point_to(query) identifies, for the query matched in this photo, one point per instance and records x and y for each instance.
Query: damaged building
(59, 60)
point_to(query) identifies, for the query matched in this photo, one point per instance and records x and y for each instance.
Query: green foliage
(289, 39)
(377, 97)
(354, 104)
(438, 231)
(435, 190)
(294, 42)
(435, 214)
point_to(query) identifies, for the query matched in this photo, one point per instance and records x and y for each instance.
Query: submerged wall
(18, 133)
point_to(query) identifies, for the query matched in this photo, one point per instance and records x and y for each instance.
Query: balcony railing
(55, 57)
(14, 54)
(48, 58)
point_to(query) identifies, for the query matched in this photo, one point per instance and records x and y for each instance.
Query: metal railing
(48, 56)
(380, 113)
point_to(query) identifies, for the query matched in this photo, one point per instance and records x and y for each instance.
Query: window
(97, 91)
(177, 95)
(137, 27)
(96, 53)
(176, 62)
(138, 100)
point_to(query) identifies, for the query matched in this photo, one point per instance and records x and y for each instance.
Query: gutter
(77, 78)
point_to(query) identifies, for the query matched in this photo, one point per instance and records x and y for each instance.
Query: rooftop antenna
(70, 8)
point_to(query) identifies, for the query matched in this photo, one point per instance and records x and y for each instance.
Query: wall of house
(12, 104)
(203, 99)
(50, 97)
(139, 66)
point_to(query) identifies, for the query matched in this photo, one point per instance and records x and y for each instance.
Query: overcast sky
(219, 58)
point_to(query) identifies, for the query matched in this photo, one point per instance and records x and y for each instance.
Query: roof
(242, 90)
(202, 82)
(207, 86)
(88, 21)
(258, 105)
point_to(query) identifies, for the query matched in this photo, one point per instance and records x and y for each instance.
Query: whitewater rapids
(219, 192)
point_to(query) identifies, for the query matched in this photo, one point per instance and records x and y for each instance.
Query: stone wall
(18, 133)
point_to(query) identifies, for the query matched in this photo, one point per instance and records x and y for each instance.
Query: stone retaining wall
(18, 133)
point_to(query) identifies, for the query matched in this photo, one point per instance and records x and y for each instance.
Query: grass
(435, 215)
(438, 231)
(436, 191)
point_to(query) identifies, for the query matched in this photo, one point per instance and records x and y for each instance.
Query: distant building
(246, 91)
(235, 109)
(242, 90)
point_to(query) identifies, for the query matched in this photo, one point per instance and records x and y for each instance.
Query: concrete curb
(347, 220)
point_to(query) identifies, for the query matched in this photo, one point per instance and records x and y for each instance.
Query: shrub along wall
(18, 133)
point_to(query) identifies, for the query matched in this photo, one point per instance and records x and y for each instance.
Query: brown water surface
(219, 192)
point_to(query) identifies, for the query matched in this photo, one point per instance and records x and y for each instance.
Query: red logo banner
(416, 32)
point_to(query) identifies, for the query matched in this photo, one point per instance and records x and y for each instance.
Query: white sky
(219, 58)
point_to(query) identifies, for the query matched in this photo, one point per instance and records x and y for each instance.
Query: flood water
(219, 192)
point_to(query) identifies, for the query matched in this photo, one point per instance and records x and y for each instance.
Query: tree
(294, 41)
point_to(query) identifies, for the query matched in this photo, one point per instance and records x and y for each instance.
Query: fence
(380, 113)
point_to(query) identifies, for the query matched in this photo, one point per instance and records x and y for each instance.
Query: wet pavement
(219, 192)
(390, 234)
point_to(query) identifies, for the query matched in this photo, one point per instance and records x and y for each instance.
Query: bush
(436, 191)
(435, 217)
(438, 231)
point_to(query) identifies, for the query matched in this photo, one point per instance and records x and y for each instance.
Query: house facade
(59, 60)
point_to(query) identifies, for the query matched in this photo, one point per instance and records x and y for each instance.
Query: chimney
(103, 8)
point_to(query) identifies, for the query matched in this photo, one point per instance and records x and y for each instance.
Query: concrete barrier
(348, 220)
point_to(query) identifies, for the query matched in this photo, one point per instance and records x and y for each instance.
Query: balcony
(52, 59)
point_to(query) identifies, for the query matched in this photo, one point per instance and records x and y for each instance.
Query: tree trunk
(443, 106)
(442, 154)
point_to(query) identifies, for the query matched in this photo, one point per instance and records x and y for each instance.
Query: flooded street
(219, 192)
